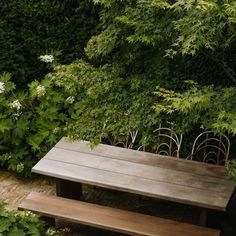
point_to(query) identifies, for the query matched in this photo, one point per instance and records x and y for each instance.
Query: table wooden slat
(141, 170)
(133, 184)
(144, 158)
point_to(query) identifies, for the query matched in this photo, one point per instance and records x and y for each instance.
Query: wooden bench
(109, 218)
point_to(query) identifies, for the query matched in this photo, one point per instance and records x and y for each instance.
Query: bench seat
(108, 218)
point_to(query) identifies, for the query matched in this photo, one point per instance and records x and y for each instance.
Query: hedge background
(30, 28)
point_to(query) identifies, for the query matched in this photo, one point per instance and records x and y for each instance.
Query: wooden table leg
(203, 217)
(69, 189)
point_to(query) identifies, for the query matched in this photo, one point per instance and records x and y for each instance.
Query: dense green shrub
(146, 45)
(30, 28)
(17, 223)
(185, 48)
(31, 121)
(75, 100)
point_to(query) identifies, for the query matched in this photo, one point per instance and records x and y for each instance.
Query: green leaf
(5, 224)
(35, 141)
(15, 231)
(5, 124)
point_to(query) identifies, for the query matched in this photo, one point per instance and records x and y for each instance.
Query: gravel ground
(14, 189)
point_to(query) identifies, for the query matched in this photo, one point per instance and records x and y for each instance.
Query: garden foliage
(154, 61)
(17, 223)
(31, 121)
(178, 55)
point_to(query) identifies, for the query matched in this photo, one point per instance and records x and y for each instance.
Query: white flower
(7, 157)
(51, 231)
(70, 99)
(16, 104)
(17, 115)
(29, 213)
(2, 87)
(46, 58)
(56, 130)
(40, 90)
(20, 167)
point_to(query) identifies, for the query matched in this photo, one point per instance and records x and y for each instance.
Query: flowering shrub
(76, 100)
(31, 121)
(17, 223)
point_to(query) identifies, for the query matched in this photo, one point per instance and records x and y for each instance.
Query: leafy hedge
(17, 223)
(31, 121)
(30, 28)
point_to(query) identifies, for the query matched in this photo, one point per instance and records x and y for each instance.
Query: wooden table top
(168, 178)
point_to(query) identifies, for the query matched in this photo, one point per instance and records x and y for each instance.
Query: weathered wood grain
(188, 182)
(144, 158)
(109, 218)
(141, 170)
(133, 184)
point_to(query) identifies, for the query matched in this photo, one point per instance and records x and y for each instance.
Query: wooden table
(183, 181)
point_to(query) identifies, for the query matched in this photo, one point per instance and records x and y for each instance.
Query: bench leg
(69, 189)
(203, 217)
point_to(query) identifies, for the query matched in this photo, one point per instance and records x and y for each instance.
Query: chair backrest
(131, 139)
(168, 142)
(211, 148)
(145, 147)
(125, 140)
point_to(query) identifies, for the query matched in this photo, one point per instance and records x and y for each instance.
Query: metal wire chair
(127, 141)
(211, 148)
(168, 142)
